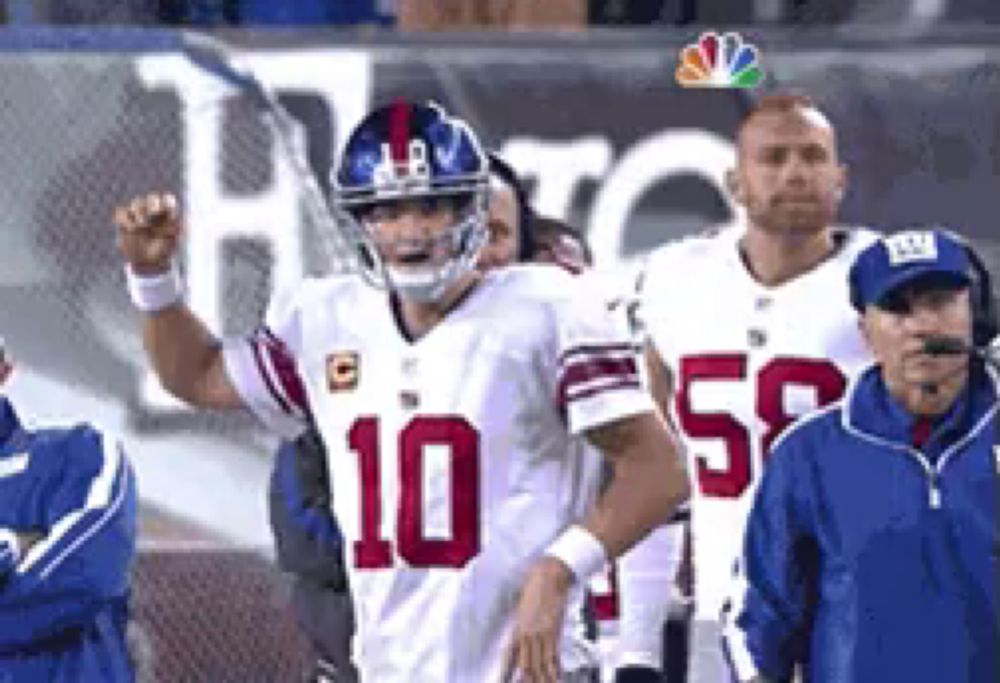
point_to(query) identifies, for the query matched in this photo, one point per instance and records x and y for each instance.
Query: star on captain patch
(342, 371)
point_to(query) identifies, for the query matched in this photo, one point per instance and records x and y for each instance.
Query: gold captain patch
(342, 371)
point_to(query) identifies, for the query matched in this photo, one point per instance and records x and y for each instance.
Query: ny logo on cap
(906, 247)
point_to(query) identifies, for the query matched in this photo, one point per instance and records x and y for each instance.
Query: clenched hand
(149, 229)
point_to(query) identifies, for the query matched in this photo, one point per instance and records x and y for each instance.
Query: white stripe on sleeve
(102, 495)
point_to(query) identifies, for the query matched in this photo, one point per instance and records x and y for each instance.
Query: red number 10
(373, 552)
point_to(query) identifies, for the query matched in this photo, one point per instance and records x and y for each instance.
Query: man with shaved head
(733, 361)
(789, 180)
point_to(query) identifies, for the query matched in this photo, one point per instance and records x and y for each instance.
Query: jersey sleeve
(655, 286)
(81, 564)
(263, 370)
(597, 363)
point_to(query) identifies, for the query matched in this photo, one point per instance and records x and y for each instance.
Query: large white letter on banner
(672, 152)
(559, 167)
(214, 216)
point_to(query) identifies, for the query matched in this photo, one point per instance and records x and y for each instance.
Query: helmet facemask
(430, 280)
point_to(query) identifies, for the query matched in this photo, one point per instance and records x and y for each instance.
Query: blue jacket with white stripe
(64, 609)
(867, 559)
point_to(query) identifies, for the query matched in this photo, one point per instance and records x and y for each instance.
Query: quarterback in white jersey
(452, 403)
(747, 329)
(453, 464)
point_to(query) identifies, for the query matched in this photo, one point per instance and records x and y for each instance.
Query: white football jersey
(746, 361)
(455, 459)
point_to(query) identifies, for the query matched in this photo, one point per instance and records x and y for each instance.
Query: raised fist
(149, 229)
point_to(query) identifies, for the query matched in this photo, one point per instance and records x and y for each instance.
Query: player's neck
(419, 317)
(775, 259)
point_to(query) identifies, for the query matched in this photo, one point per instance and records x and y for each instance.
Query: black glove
(638, 674)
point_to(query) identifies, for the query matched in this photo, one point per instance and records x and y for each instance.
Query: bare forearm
(648, 485)
(183, 353)
(186, 357)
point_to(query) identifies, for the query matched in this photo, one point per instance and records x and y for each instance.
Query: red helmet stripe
(399, 132)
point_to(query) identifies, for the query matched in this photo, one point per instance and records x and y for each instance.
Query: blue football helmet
(407, 151)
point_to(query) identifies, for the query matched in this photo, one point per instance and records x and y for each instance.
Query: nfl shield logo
(409, 399)
(756, 338)
(342, 371)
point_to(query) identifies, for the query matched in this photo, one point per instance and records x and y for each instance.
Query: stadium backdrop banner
(602, 133)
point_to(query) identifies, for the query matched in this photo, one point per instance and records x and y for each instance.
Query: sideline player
(67, 539)
(450, 403)
(308, 541)
(509, 218)
(748, 328)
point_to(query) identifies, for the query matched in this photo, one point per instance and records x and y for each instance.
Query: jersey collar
(872, 410)
(840, 239)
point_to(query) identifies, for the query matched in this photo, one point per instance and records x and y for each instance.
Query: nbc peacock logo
(716, 61)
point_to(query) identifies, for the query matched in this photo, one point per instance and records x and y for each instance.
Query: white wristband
(579, 550)
(9, 538)
(152, 293)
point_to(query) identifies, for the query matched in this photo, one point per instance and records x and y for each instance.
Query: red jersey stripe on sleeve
(594, 369)
(569, 356)
(277, 368)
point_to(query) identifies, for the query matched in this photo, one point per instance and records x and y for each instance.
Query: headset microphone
(947, 346)
(944, 346)
(953, 346)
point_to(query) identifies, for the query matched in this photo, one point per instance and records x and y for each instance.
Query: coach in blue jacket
(869, 550)
(67, 536)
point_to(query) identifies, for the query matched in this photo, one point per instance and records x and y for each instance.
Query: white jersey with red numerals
(746, 361)
(455, 459)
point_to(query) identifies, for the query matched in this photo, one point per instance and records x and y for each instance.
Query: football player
(509, 219)
(452, 404)
(748, 328)
(299, 500)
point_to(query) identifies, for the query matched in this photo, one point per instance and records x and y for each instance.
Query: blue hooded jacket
(867, 559)
(64, 608)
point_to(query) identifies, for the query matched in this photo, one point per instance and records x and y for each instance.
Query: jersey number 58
(770, 384)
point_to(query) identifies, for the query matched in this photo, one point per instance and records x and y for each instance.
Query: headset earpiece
(985, 322)
(985, 325)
